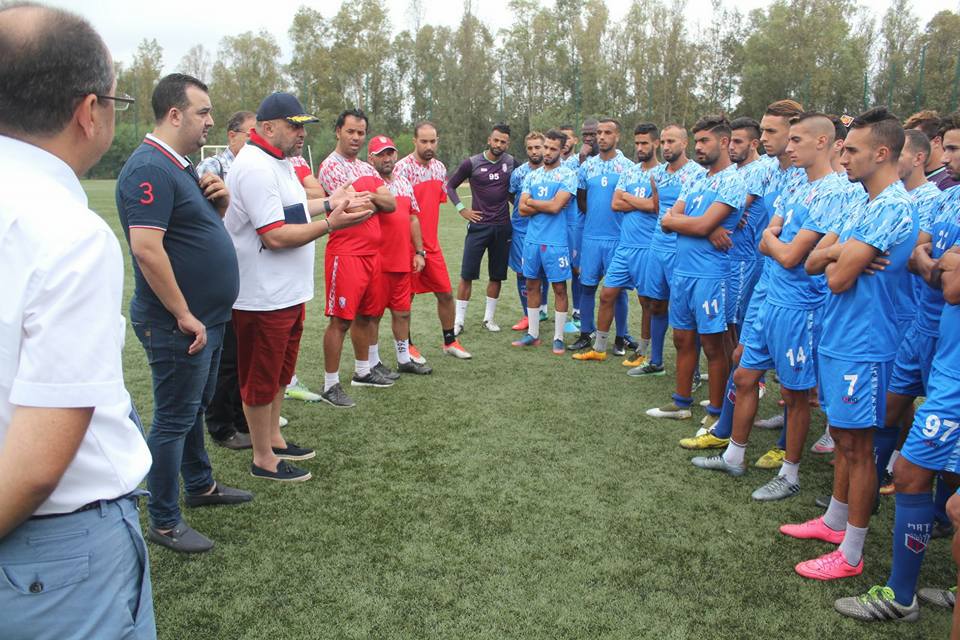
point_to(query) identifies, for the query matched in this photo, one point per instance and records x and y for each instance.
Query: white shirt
(265, 194)
(61, 331)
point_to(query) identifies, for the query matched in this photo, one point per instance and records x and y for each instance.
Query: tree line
(561, 63)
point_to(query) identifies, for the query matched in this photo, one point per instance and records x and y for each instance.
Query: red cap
(379, 144)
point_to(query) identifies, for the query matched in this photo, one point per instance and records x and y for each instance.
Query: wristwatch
(421, 253)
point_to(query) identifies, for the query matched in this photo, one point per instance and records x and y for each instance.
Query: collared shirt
(61, 331)
(218, 165)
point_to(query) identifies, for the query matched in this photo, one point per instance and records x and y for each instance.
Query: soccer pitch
(515, 495)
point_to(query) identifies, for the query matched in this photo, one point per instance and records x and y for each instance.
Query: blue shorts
(659, 272)
(517, 241)
(934, 439)
(540, 259)
(911, 368)
(855, 392)
(740, 283)
(786, 340)
(628, 267)
(757, 298)
(698, 304)
(903, 325)
(595, 258)
(574, 241)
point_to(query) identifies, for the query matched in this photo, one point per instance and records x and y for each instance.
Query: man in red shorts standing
(352, 262)
(399, 259)
(427, 175)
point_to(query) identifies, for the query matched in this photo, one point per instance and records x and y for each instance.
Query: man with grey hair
(71, 450)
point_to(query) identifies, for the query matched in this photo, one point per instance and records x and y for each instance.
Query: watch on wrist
(327, 206)
(421, 253)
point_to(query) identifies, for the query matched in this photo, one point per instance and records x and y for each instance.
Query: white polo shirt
(265, 194)
(61, 330)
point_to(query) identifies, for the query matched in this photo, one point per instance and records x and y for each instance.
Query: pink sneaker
(829, 566)
(813, 530)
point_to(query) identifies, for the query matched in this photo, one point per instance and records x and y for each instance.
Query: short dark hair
(236, 120)
(784, 109)
(566, 127)
(420, 125)
(615, 122)
(749, 125)
(592, 122)
(49, 69)
(356, 113)
(917, 141)
(927, 121)
(948, 123)
(171, 92)
(839, 129)
(715, 124)
(502, 128)
(556, 134)
(647, 129)
(885, 128)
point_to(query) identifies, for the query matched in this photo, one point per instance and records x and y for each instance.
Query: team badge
(342, 301)
(503, 167)
(915, 542)
(846, 120)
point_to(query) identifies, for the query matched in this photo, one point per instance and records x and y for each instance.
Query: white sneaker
(283, 422)
(670, 411)
(457, 328)
(773, 422)
(705, 403)
(457, 351)
(491, 326)
(824, 444)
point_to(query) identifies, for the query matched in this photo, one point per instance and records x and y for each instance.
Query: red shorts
(267, 346)
(353, 286)
(434, 278)
(397, 290)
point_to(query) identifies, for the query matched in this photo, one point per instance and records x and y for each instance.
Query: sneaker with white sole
(300, 392)
(717, 463)
(878, 605)
(945, 598)
(671, 411)
(283, 422)
(773, 422)
(456, 350)
(777, 489)
(491, 326)
(372, 379)
(415, 355)
(335, 396)
(457, 328)
(824, 444)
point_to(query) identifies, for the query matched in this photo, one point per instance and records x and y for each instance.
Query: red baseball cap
(379, 144)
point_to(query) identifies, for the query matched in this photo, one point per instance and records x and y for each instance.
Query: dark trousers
(224, 414)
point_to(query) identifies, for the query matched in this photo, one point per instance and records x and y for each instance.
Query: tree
(139, 80)
(196, 62)
(247, 71)
(941, 44)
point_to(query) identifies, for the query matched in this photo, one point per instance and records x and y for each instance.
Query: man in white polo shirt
(269, 220)
(74, 563)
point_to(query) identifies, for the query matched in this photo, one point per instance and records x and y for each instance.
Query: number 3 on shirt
(147, 193)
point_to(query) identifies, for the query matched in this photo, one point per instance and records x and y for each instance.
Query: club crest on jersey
(503, 167)
(342, 301)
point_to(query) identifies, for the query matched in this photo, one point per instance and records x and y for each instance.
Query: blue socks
(588, 304)
(658, 334)
(522, 290)
(940, 497)
(911, 534)
(782, 442)
(724, 426)
(620, 313)
(884, 442)
(680, 401)
(575, 291)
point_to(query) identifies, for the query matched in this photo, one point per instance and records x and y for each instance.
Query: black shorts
(492, 238)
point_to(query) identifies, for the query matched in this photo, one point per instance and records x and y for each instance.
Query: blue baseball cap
(284, 106)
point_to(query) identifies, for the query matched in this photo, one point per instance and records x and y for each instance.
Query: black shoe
(285, 472)
(337, 397)
(822, 501)
(293, 452)
(941, 530)
(582, 342)
(630, 342)
(372, 379)
(237, 441)
(385, 371)
(619, 346)
(222, 494)
(414, 368)
(182, 538)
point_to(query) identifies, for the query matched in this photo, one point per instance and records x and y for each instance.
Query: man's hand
(340, 218)
(949, 261)
(878, 264)
(215, 191)
(765, 239)
(720, 239)
(419, 262)
(743, 219)
(471, 215)
(189, 325)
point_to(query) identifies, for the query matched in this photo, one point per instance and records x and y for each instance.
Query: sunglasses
(121, 101)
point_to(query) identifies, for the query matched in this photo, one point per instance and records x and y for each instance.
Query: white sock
(852, 545)
(533, 319)
(836, 515)
(735, 453)
(561, 319)
(491, 309)
(543, 308)
(403, 351)
(330, 380)
(790, 470)
(373, 353)
(293, 382)
(893, 458)
(362, 367)
(600, 342)
(461, 311)
(644, 346)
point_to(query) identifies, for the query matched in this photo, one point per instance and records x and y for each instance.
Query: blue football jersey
(924, 197)
(696, 256)
(945, 233)
(573, 162)
(812, 206)
(746, 238)
(669, 185)
(548, 228)
(599, 179)
(858, 323)
(516, 188)
(636, 230)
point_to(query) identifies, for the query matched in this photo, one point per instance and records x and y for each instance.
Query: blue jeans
(182, 388)
(82, 575)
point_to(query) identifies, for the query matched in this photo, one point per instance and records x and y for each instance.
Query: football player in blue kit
(533, 142)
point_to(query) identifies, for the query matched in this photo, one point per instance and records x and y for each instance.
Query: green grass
(516, 495)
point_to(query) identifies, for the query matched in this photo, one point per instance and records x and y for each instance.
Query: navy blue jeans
(182, 387)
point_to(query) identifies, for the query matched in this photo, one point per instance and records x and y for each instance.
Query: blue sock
(724, 426)
(911, 533)
(940, 497)
(588, 302)
(782, 442)
(575, 291)
(620, 313)
(658, 334)
(544, 291)
(680, 401)
(884, 442)
(522, 290)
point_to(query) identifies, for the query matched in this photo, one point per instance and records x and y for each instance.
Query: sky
(180, 24)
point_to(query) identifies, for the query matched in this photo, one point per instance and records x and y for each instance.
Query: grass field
(516, 495)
